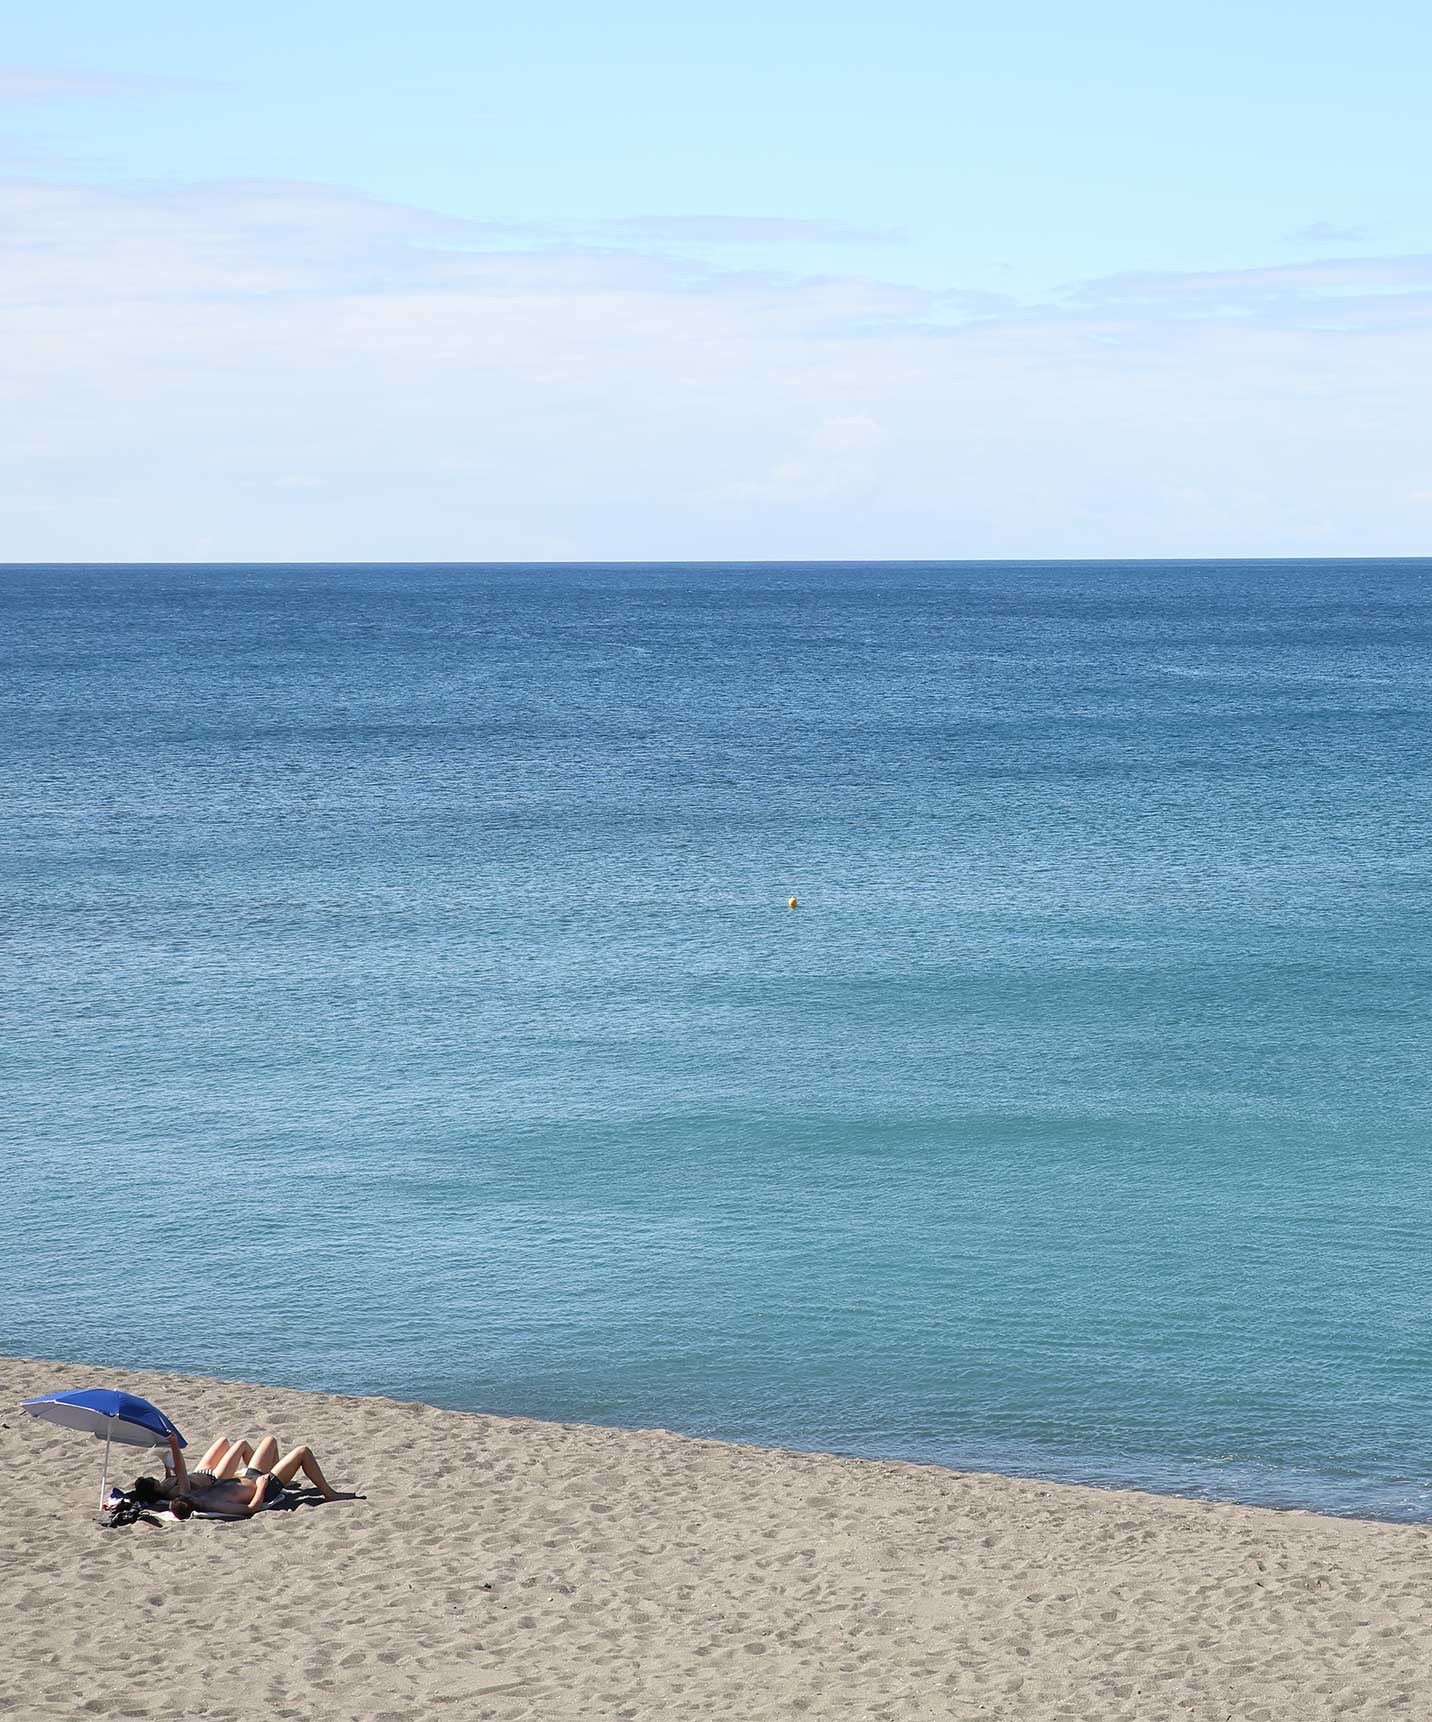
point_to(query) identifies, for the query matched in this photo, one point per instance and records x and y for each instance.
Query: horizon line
(728, 562)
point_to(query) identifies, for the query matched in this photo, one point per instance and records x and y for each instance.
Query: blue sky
(449, 281)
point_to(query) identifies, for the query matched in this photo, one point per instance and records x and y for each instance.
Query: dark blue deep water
(399, 996)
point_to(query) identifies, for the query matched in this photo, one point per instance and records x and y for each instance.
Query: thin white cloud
(234, 239)
(838, 458)
(271, 370)
(739, 230)
(76, 84)
(265, 238)
(1327, 233)
(1323, 293)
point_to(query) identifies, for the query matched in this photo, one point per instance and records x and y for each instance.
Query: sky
(452, 282)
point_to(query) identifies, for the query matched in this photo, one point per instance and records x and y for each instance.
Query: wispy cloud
(262, 240)
(265, 239)
(1323, 293)
(269, 369)
(1327, 233)
(236, 239)
(835, 459)
(76, 84)
(740, 230)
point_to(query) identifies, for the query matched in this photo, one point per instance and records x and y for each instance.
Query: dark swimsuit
(273, 1494)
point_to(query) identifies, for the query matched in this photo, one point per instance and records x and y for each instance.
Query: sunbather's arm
(181, 1475)
(264, 1486)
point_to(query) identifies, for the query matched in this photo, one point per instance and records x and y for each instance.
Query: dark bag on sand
(125, 1510)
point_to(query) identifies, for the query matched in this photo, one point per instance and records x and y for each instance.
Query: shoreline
(1033, 1477)
(509, 1568)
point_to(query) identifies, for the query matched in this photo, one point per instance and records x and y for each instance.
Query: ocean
(399, 996)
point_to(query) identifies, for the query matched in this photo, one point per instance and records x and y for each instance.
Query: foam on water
(400, 997)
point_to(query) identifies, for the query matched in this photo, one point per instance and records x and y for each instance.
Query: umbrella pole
(104, 1474)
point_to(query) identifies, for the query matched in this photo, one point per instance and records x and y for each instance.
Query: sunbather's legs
(301, 1459)
(237, 1456)
(264, 1458)
(213, 1453)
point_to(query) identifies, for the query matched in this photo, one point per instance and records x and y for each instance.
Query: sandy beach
(505, 1568)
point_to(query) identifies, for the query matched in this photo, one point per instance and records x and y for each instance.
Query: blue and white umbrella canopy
(108, 1415)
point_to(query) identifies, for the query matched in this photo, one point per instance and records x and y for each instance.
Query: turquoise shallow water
(399, 997)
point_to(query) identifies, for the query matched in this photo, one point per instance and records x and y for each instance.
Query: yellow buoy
(793, 904)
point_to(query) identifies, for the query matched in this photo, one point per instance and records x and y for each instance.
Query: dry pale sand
(503, 1568)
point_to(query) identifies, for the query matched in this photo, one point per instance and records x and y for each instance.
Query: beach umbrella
(107, 1414)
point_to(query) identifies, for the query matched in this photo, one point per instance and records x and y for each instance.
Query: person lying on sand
(215, 1486)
